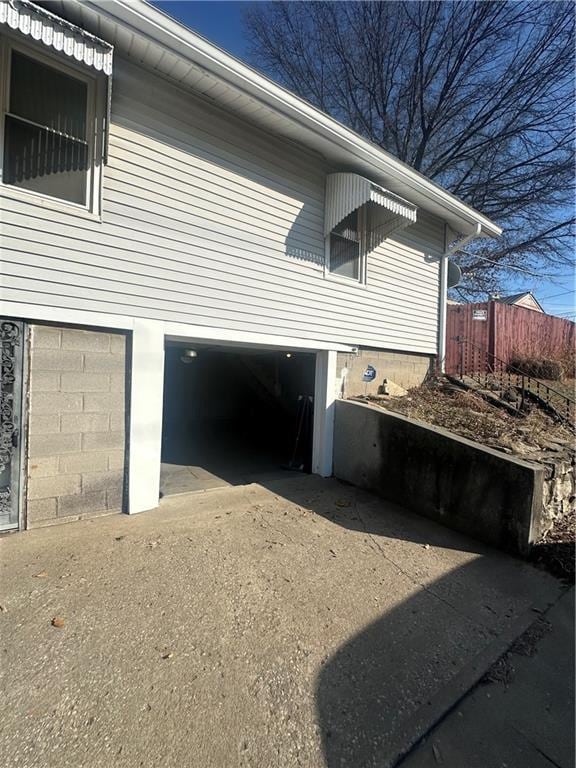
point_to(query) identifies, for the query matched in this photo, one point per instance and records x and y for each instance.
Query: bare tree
(479, 96)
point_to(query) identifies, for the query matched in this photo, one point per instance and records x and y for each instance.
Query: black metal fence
(510, 383)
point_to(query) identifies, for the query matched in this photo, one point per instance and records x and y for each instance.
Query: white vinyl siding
(209, 221)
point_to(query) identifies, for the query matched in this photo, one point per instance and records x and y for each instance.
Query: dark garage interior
(234, 416)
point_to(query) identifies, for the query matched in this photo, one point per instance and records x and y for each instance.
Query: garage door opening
(234, 416)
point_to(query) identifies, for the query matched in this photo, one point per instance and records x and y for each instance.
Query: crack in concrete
(537, 748)
(408, 576)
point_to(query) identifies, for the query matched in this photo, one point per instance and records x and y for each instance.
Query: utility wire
(507, 266)
(556, 295)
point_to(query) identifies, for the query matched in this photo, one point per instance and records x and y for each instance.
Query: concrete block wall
(408, 369)
(76, 436)
(432, 472)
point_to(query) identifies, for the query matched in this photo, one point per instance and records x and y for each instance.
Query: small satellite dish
(454, 274)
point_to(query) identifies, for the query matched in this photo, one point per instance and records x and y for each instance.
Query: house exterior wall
(210, 222)
(208, 229)
(75, 449)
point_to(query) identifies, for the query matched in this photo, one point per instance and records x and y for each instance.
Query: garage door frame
(147, 392)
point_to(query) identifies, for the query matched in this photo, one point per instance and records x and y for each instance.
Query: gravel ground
(296, 625)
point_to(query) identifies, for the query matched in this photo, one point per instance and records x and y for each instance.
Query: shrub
(568, 362)
(538, 367)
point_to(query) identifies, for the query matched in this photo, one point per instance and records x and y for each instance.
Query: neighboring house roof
(525, 299)
(154, 40)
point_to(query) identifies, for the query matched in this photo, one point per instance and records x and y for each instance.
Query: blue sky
(220, 21)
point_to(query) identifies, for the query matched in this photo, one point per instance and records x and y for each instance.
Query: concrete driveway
(301, 624)
(522, 716)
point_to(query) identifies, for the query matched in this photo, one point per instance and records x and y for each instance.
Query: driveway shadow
(358, 510)
(384, 687)
(379, 689)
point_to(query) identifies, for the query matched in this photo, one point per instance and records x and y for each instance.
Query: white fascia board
(148, 22)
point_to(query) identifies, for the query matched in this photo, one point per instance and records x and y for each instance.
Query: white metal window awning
(41, 26)
(45, 27)
(385, 212)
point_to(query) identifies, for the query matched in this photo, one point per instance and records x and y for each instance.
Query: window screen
(345, 247)
(45, 145)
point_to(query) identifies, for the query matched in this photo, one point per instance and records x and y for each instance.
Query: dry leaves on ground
(469, 415)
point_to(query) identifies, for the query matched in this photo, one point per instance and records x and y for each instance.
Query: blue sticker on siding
(369, 374)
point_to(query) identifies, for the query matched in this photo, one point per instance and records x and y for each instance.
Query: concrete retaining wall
(431, 472)
(75, 424)
(407, 369)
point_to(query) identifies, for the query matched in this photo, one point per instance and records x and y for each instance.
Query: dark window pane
(345, 247)
(344, 256)
(47, 96)
(40, 160)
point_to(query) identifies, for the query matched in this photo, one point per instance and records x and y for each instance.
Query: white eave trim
(44, 27)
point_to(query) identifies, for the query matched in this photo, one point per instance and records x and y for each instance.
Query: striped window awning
(385, 212)
(41, 25)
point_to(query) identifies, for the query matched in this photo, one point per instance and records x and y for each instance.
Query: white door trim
(146, 402)
(146, 405)
(324, 399)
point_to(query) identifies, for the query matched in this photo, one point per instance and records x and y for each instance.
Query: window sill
(48, 203)
(349, 281)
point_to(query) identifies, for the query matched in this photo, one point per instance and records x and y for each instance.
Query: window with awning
(45, 31)
(359, 215)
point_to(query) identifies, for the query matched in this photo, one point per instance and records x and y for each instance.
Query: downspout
(443, 310)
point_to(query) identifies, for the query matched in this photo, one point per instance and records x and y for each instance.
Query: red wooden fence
(504, 330)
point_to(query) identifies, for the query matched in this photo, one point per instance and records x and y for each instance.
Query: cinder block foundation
(77, 413)
(407, 369)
